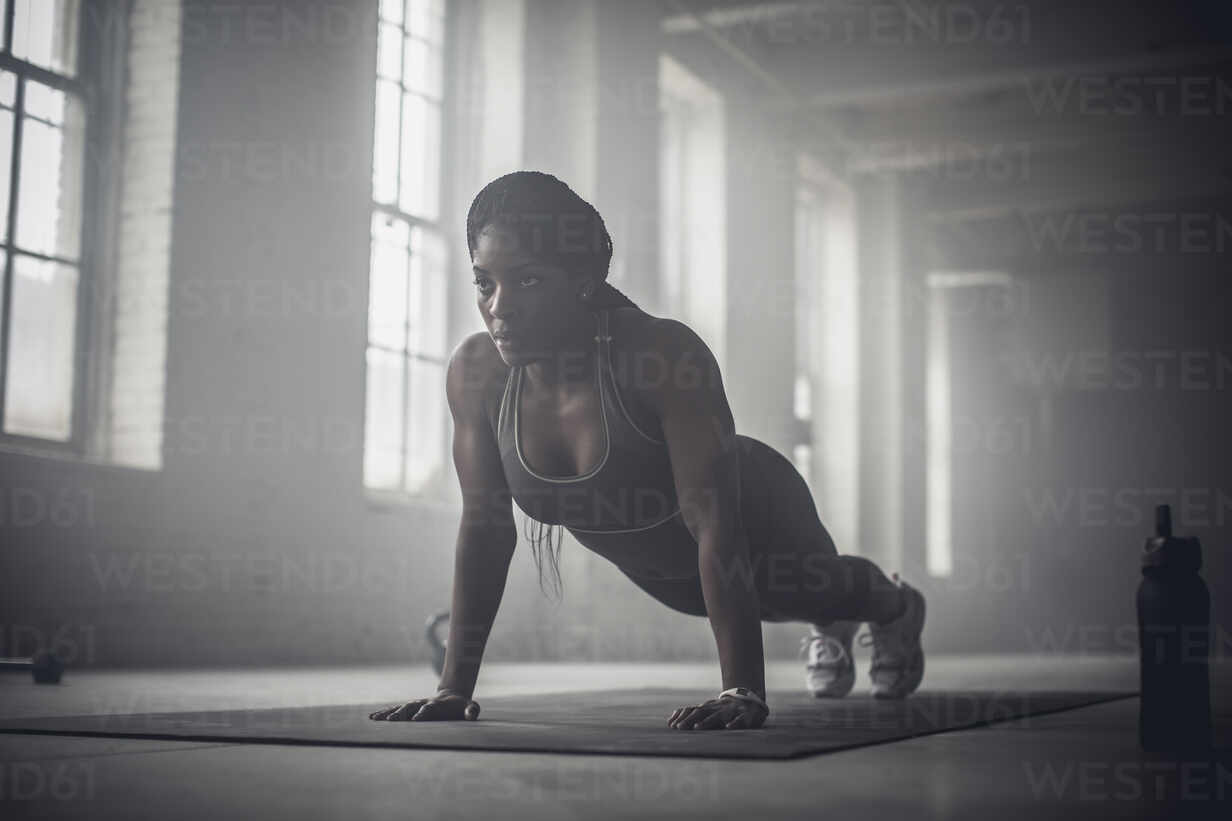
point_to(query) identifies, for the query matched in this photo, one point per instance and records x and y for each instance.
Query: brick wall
(134, 433)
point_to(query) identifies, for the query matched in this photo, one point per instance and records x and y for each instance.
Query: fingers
(438, 711)
(740, 722)
(715, 720)
(714, 715)
(682, 716)
(690, 717)
(405, 712)
(385, 713)
(448, 708)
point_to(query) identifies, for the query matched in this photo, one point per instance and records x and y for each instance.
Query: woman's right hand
(440, 707)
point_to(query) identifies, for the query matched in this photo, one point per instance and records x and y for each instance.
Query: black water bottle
(1174, 609)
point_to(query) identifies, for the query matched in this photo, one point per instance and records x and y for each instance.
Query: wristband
(745, 694)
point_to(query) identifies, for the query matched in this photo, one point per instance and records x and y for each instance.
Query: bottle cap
(1168, 552)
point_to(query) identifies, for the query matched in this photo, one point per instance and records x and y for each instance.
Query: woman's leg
(800, 574)
(820, 589)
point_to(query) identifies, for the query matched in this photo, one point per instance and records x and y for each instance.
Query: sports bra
(630, 490)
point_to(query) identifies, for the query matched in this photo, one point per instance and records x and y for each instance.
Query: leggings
(814, 588)
(797, 570)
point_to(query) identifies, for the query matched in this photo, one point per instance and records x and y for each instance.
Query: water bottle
(1174, 609)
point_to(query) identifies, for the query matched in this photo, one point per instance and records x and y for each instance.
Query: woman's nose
(501, 305)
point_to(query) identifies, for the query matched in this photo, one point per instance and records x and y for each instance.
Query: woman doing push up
(593, 415)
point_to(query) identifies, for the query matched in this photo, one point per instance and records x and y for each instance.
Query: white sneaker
(898, 658)
(830, 671)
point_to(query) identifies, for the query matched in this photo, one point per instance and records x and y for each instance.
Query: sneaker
(830, 671)
(898, 658)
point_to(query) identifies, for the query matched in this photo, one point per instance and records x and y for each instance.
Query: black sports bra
(631, 489)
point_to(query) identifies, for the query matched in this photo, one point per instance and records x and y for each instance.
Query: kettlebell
(434, 641)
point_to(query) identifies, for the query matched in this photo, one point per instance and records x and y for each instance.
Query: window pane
(426, 18)
(45, 33)
(425, 423)
(422, 69)
(391, 10)
(421, 157)
(8, 84)
(6, 165)
(388, 51)
(39, 388)
(427, 286)
(49, 199)
(387, 285)
(385, 143)
(383, 420)
(45, 102)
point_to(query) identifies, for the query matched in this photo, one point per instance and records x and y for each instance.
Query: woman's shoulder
(641, 332)
(476, 374)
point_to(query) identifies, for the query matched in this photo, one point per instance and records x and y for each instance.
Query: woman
(592, 414)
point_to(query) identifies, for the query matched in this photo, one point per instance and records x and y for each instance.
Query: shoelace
(832, 649)
(887, 641)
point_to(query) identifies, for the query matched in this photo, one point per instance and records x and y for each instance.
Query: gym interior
(965, 263)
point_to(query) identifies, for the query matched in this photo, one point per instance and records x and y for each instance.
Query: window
(42, 145)
(939, 412)
(405, 425)
(827, 349)
(692, 205)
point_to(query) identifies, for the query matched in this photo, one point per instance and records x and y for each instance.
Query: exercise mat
(624, 722)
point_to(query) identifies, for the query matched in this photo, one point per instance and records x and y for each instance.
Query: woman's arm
(701, 437)
(487, 535)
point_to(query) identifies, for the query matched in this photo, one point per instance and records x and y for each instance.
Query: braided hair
(552, 222)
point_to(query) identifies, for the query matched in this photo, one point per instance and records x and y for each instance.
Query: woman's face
(530, 307)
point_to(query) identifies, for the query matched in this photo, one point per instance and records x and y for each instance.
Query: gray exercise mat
(604, 723)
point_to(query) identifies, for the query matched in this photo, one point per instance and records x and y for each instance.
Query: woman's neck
(571, 363)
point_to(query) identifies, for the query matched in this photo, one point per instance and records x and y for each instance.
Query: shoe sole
(915, 667)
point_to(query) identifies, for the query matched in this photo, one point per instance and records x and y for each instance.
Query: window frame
(87, 84)
(433, 492)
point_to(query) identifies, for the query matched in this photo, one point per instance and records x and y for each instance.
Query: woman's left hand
(719, 714)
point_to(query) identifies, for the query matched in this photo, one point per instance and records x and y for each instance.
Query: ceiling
(995, 107)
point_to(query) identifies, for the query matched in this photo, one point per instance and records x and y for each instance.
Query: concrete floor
(1081, 763)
